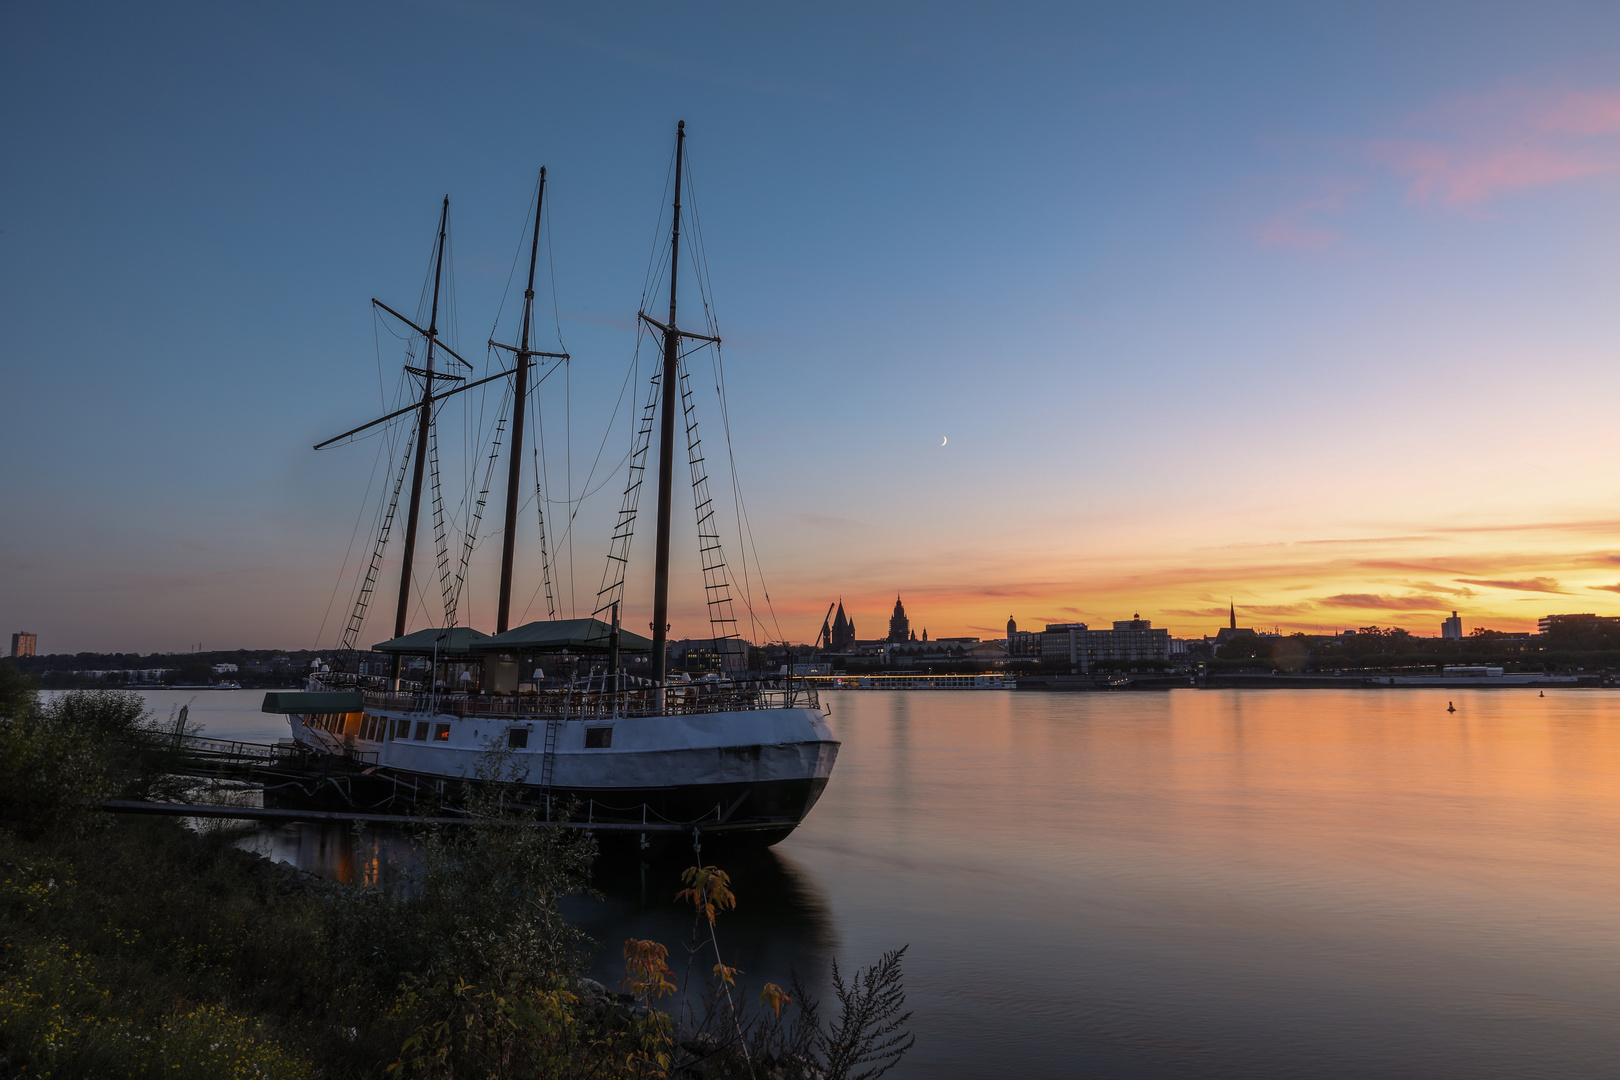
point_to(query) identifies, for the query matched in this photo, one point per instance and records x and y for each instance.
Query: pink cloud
(1294, 226)
(1517, 138)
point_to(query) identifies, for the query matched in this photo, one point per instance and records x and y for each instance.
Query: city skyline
(1070, 313)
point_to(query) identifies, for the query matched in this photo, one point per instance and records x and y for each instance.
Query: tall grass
(135, 947)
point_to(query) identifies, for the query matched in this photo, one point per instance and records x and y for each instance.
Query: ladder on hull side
(548, 760)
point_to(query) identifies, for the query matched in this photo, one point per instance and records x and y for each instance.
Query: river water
(1194, 883)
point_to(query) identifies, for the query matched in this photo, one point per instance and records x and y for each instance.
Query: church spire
(1233, 610)
(899, 625)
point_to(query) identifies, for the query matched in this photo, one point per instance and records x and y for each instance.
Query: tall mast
(424, 420)
(514, 470)
(666, 434)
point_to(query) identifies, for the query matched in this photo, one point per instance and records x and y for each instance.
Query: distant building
(710, 654)
(1451, 629)
(24, 644)
(948, 650)
(899, 625)
(1588, 621)
(1022, 643)
(1130, 640)
(1231, 629)
(224, 669)
(841, 635)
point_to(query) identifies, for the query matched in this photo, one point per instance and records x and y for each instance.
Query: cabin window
(421, 730)
(402, 729)
(441, 732)
(517, 738)
(598, 738)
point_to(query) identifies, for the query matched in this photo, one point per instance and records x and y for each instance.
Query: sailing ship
(655, 753)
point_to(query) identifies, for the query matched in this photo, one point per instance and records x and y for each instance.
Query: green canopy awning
(299, 701)
(456, 641)
(575, 635)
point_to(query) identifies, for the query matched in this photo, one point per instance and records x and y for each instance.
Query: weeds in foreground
(137, 948)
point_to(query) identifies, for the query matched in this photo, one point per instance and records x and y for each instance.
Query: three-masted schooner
(728, 757)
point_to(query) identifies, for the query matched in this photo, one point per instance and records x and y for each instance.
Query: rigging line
(359, 594)
(615, 567)
(376, 344)
(725, 425)
(697, 255)
(736, 488)
(522, 232)
(551, 270)
(542, 483)
(568, 469)
(476, 516)
(358, 517)
(701, 255)
(540, 513)
(441, 538)
(361, 598)
(472, 449)
(658, 230)
(633, 372)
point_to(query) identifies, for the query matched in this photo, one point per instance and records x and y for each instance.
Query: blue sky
(1308, 306)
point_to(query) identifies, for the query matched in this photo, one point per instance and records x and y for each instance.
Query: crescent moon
(943, 440)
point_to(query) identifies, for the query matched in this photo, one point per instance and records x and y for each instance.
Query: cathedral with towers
(838, 631)
(839, 635)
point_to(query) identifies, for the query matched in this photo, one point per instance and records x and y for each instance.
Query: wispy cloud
(1535, 584)
(1605, 588)
(1378, 602)
(1515, 138)
(1434, 587)
(1296, 226)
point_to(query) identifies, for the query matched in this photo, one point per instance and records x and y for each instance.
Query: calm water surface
(1195, 883)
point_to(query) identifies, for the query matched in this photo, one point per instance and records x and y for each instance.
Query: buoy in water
(1450, 707)
(1542, 694)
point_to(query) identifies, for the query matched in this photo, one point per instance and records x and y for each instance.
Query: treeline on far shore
(93, 670)
(1381, 649)
(137, 947)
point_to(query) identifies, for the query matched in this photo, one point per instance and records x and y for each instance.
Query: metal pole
(519, 412)
(613, 649)
(666, 438)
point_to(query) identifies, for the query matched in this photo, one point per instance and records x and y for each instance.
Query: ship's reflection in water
(364, 856)
(781, 925)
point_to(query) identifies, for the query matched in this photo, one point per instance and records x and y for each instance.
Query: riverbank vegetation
(138, 947)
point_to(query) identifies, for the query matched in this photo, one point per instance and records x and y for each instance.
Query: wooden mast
(519, 412)
(514, 472)
(666, 433)
(666, 436)
(423, 422)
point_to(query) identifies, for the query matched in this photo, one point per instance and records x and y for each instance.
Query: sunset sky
(1310, 309)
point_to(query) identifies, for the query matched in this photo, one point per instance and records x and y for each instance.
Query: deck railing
(587, 704)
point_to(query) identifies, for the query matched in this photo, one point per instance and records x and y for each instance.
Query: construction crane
(824, 635)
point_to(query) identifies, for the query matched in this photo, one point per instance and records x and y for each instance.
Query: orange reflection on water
(1351, 876)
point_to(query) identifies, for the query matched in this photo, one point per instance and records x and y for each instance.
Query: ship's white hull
(754, 769)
